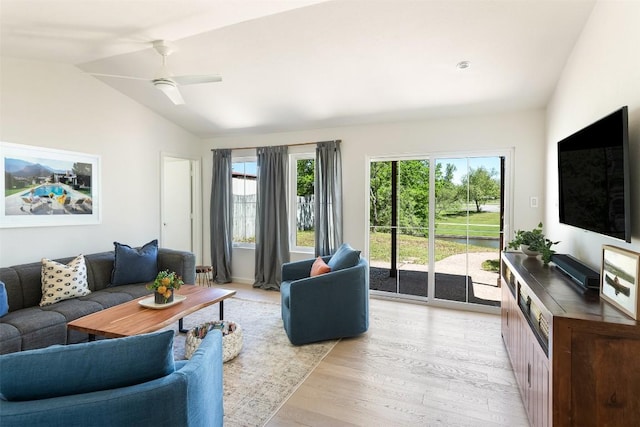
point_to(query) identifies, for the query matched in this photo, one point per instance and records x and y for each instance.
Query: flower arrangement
(164, 285)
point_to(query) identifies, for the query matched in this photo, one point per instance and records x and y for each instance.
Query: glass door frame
(388, 158)
(433, 157)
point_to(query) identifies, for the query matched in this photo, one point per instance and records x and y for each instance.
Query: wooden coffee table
(131, 318)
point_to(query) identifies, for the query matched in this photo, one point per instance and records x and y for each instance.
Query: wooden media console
(576, 358)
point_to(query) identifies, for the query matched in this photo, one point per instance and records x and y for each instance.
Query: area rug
(267, 370)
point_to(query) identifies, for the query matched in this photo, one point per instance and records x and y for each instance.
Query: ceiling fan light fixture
(169, 88)
(165, 80)
(463, 65)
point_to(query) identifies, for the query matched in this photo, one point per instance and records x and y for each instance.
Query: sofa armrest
(352, 279)
(203, 376)
(344, 291)
(182, 262)
(299, 269)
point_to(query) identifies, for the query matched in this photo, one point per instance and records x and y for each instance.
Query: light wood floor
(416, 366)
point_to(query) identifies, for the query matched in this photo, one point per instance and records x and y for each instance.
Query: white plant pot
(525, 250)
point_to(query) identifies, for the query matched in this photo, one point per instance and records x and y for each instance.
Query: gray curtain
(272, 222)
(221, 214)
(328, 195)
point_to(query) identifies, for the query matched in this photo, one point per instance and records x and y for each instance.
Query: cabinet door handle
(529, 374)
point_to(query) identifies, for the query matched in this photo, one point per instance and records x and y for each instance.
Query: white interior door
(177, 204)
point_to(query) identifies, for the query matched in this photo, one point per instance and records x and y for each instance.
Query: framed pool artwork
(48, 187)
(619, 279)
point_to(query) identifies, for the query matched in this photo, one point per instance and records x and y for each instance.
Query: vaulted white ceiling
(302, 64)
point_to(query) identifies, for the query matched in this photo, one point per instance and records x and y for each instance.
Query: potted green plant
(533, 243)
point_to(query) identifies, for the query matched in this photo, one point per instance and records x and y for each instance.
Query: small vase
(160, 298)
(525, 250)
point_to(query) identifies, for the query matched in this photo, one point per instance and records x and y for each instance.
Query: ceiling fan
(166, 82)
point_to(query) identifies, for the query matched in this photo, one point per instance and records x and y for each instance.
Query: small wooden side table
(204, 274)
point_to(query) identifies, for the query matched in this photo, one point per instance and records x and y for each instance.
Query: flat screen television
(593, 172)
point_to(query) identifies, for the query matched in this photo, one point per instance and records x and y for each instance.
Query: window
(243, 179)
(301, 224)
(302, 211)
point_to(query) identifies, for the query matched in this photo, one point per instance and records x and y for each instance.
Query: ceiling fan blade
(194, 80)
(119, 76)
(169, 88)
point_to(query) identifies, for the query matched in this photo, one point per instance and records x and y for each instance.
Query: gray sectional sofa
(29, 326)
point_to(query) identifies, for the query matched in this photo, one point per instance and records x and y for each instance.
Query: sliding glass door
(467, 221)
(435, 228)
(399, 226)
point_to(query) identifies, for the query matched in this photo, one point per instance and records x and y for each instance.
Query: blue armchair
(116, 382)
(332, 305)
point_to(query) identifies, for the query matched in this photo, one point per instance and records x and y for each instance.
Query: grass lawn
(411, 248)
(480, 224)
(12, 191)
(416, 249)
(306, 238)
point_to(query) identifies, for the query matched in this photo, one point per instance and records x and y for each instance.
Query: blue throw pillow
(344, 257)
(4, 302)
(63, 370)
(135, 265)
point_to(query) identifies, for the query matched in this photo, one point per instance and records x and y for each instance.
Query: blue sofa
(131, 381)
(328, 306)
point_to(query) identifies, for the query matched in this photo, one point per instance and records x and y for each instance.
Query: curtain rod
(288, 145)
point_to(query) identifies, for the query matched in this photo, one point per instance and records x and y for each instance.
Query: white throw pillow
(60, 281)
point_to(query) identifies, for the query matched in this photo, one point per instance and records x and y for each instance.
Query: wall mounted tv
(593, 172)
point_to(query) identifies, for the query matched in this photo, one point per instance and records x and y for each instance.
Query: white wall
(56, 106)
(601, 75)
(522, 130)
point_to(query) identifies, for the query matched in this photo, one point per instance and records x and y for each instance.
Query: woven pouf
(231, 338)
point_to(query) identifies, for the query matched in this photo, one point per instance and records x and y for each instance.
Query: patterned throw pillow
(60, 281)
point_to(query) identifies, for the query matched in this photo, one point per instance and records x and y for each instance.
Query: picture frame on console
(48, 187)
(619, 279)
